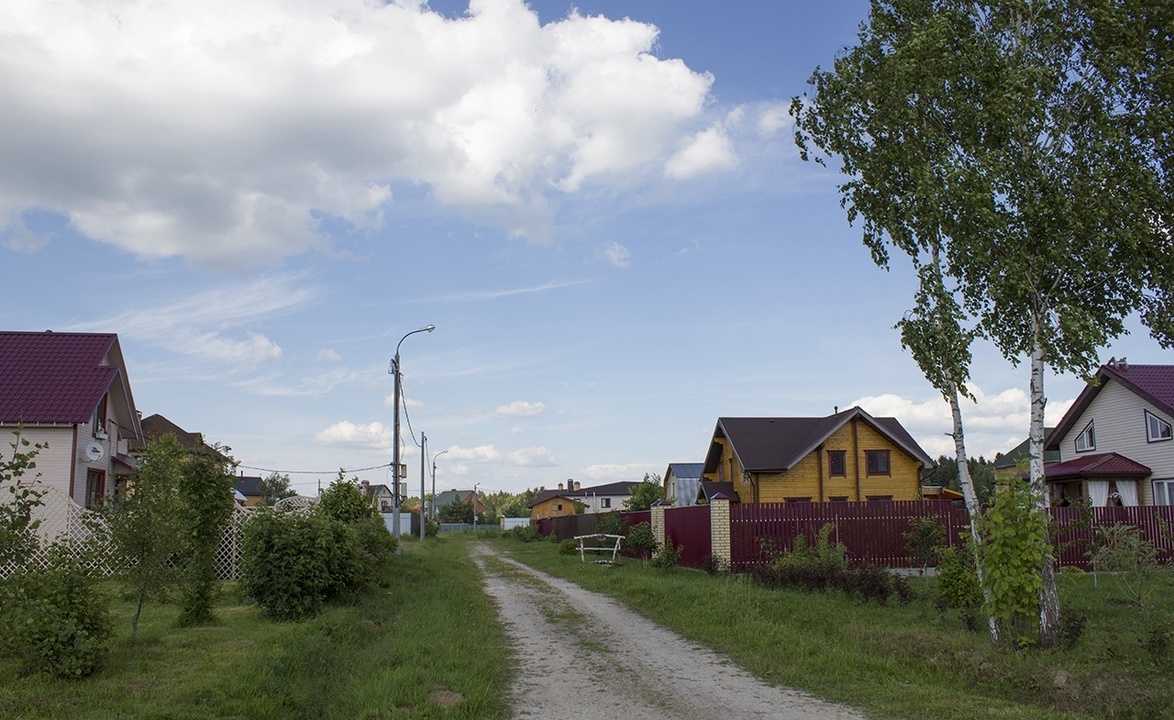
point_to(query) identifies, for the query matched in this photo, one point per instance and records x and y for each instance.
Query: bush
(570, 546)
(640, 541)
(610, 524)
(957, 583)
(667, 557)
(55, 620)
(714, 565)
(526, 533)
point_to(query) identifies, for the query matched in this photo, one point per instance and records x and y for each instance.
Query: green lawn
(429, 647)
(911, 661)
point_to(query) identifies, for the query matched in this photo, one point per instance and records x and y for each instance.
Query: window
(1163, 492)
(1156, 429)
(1087, 439)
(838, 498)
(798, 499)
(880, 498)
(558, 506)
(878, 462)
(100, 417)
(95, 487)
(837, 463)
(605, 502)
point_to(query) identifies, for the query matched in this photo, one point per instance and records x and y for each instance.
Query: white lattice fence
(68, 527)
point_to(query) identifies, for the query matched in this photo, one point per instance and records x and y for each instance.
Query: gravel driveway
(582, 656)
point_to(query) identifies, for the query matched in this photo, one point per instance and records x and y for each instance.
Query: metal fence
(569, 526)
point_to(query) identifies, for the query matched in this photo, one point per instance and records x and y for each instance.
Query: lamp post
(395, 370)
(423, 461)
(433, 503)
(475, 507)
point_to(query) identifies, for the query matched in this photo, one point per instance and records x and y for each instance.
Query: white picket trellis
(69, 527)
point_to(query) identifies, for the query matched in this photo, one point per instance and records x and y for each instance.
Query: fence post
(719, 531)
(656, 519)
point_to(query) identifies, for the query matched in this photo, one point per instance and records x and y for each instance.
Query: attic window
(1087, 439)
(1156, 429)
(878, 462)
(837, 465)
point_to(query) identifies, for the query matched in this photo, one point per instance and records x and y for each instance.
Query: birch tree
(1007, 135)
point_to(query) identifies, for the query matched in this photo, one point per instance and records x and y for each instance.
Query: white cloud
(616, 254)
(707, 151)
(992, 424)
(21, 238)
(479, 454)
(328, 355)
(222, 131)
(521, 408)
(774, 118)
(532, 457)
(374, 435)
(631, 471)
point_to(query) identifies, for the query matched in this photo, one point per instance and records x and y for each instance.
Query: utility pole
(423, 461)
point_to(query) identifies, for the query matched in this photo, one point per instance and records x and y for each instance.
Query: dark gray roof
(248, 485)
(773, 444)
(1022, 451)
(686, 471)
(623, 487)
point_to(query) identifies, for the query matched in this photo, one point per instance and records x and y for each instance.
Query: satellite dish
(95, 451)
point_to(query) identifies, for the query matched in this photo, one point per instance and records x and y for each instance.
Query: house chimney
(1122, 365)
(365, 485)
(560, 486)
(578, 484)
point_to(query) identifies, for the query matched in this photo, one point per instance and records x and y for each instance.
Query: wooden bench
(601, 538)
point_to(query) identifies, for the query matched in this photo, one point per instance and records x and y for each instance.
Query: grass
(905, 661)
(428, 646)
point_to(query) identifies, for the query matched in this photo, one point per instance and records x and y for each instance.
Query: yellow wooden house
(849, 456)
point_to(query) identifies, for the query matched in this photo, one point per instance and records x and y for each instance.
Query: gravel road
(582, 656)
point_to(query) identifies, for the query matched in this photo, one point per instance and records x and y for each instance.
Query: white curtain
(1098, 492)
(1127, 489)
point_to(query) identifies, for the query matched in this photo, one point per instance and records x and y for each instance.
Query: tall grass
(426, 646)
(913, 661)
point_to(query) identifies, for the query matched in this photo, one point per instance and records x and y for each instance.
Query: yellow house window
(878, 462)
(837, 463)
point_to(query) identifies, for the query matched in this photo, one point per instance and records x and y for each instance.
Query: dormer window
(1157, 429)
(1087, 439)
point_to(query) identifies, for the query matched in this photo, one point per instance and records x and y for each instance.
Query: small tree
(143, 521)
(275, 487)
(206, 500)
(18, 527)
(649, 490)
(1014, 548)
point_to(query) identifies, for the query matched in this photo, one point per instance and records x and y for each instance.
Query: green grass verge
(428, 646)
(904, 661)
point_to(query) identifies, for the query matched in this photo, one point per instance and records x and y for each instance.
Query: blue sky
(598, 204)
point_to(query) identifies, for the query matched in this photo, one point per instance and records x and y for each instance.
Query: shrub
(957, 585)
(714, 565)
(924, 540)
(640, 541)
(54, 619)
(570, 546)
(611, 523)
(667, 557)
(526, 533)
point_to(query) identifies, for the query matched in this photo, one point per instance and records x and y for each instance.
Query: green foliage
(18, 499)
(54, 619)
(526, 533)
(824, 567)
(570, 546)
(1120, 549)
(982, 475)
(457, 512)
(207, 500)
(610, 523)
(144, 519)
(275, 487)
(640, 541)
(925, 539)
(1015, 545)
(344, 501)
(648, 491)
(667, 557)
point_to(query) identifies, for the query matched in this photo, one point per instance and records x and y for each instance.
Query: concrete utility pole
(432, 502)
(395, 370)
(423, 461)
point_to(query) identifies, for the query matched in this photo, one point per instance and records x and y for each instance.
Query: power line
(314, 472)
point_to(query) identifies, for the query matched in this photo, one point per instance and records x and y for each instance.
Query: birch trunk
(1049, 598)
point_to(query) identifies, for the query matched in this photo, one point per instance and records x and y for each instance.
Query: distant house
(682, 481)
(847, 456)
(382, 496)
(1116, 442)
(71, 392)
(248, 488)
(574, 499)
(464, 497)
(1007, 464)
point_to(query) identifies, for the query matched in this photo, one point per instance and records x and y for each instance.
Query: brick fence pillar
(658, 524)
(719, 531)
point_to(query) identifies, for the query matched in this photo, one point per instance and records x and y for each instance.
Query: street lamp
(434, 481)
(395, 370)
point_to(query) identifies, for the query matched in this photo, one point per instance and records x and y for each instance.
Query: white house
(70, 393)
(1116, 442)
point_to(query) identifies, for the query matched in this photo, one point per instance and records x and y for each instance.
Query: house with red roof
(1116, 442)
(70, 392)
(849, 456)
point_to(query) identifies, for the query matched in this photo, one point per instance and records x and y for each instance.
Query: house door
(95, 487)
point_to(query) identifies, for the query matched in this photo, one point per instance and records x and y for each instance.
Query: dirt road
(583, 656)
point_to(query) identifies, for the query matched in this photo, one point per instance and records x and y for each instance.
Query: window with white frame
(1163, 492)
(604, 502)
(1087, 439)
(1157, 429)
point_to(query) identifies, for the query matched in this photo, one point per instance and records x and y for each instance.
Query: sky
(598, 204)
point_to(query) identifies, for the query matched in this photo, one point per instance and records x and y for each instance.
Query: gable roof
(248, 485)
(48, 377)
(1022, 451)
(771, 444)
(1152, 383)
(686, 471)
(624, 487)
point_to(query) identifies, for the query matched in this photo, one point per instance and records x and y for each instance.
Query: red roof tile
(53, 377)
(1098, 465)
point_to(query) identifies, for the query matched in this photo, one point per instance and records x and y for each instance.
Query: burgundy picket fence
(569, 526)
(687, 528)
(872, 532)
(1075, 530)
